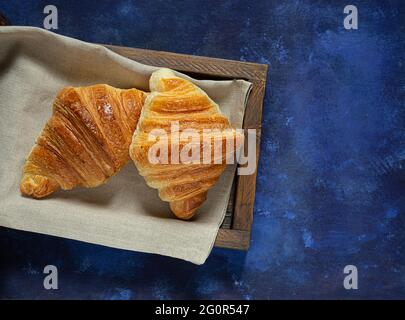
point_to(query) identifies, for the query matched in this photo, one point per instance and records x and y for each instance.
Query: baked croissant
(174, 100)
(85, 141)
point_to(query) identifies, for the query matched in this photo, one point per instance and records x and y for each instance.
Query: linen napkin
(124, 213)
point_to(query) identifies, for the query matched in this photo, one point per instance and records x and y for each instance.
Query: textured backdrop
(330, 189)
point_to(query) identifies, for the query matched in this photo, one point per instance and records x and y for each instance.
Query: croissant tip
(159, 74)
(37, 186)
(181, 213)
(186, 209)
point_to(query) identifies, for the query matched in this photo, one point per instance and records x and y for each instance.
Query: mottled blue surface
(330, 189)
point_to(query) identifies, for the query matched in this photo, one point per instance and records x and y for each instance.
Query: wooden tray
(236, 228)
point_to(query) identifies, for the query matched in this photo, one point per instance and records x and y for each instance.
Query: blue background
(330, 188)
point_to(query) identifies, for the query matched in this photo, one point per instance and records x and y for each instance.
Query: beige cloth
(124, 213)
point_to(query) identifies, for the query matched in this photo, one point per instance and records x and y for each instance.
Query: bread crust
(177, 100)
(85, 141)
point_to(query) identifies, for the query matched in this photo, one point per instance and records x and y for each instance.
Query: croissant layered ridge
(85, 141)
(182, 167)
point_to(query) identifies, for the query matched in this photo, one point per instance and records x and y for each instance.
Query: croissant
(174, 100)
(85, 141)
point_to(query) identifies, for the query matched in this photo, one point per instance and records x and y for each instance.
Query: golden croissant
(85, 141)
(177, 103)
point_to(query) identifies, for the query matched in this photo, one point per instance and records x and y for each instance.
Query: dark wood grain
(3, 20)
(233, 239)
(245, 195)
(227, 223)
